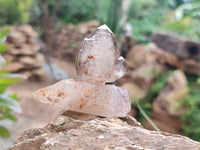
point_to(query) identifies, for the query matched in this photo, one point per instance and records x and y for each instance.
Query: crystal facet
(91, 98)
(99, 58)
(98, 62)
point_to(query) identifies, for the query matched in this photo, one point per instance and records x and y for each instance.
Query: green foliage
(71, 11)
(145, 19)
(192, 115)
(14, 11)
(191, 118)
(8, 102)
(172, 3)
(114, 11)
(186, 27)
(143, 16)
(76, 11)
(185, 20)
(102, 11)
(4, 132)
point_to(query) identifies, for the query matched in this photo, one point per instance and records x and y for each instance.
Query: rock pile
(69, 39)
(72, 130)
(146, 63)
(24, 52)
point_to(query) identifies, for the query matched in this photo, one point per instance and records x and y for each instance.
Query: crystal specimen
(99, 59)
(98, 62)
(92, 98)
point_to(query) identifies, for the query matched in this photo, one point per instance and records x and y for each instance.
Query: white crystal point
(105, 27)
(98, 58)
(87, 97)
(120, 67)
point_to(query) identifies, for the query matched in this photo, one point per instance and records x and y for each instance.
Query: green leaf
(14, 96)
(11, 117)
(4, 132)
(3, 48)
(4, 102)
(3, 72)
(2, 89)
(4, 32)
(8, 81)
(7, 115)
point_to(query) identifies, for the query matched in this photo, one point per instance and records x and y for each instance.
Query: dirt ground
(35, 114)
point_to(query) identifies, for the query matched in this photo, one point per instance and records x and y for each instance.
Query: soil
(35, 114)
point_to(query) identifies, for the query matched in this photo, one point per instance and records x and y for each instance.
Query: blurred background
(160, 40)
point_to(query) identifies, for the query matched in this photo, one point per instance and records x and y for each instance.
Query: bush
(8, 102)
(145, 19)
(191, 119)
(192, 116)
(14, 11)
(185, 20)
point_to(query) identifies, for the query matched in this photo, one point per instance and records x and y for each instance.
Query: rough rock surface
(72, 130)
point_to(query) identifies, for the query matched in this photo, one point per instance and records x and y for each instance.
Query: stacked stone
(24, 52)
(69, 39)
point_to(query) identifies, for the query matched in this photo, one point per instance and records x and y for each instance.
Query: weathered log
(181, 47)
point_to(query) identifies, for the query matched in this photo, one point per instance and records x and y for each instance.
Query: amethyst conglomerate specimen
(98, 62)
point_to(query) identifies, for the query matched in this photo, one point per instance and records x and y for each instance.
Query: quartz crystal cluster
(98, 63)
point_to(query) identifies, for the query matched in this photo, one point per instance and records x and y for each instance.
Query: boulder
(156, 54)
(72, 130)
(16, 37)
(179, 46)
(136, 56)
(164, 121)
(14, 67)
(145, 75)
(27, 30)
(27, 60)
(172, 95)
(134, 90)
